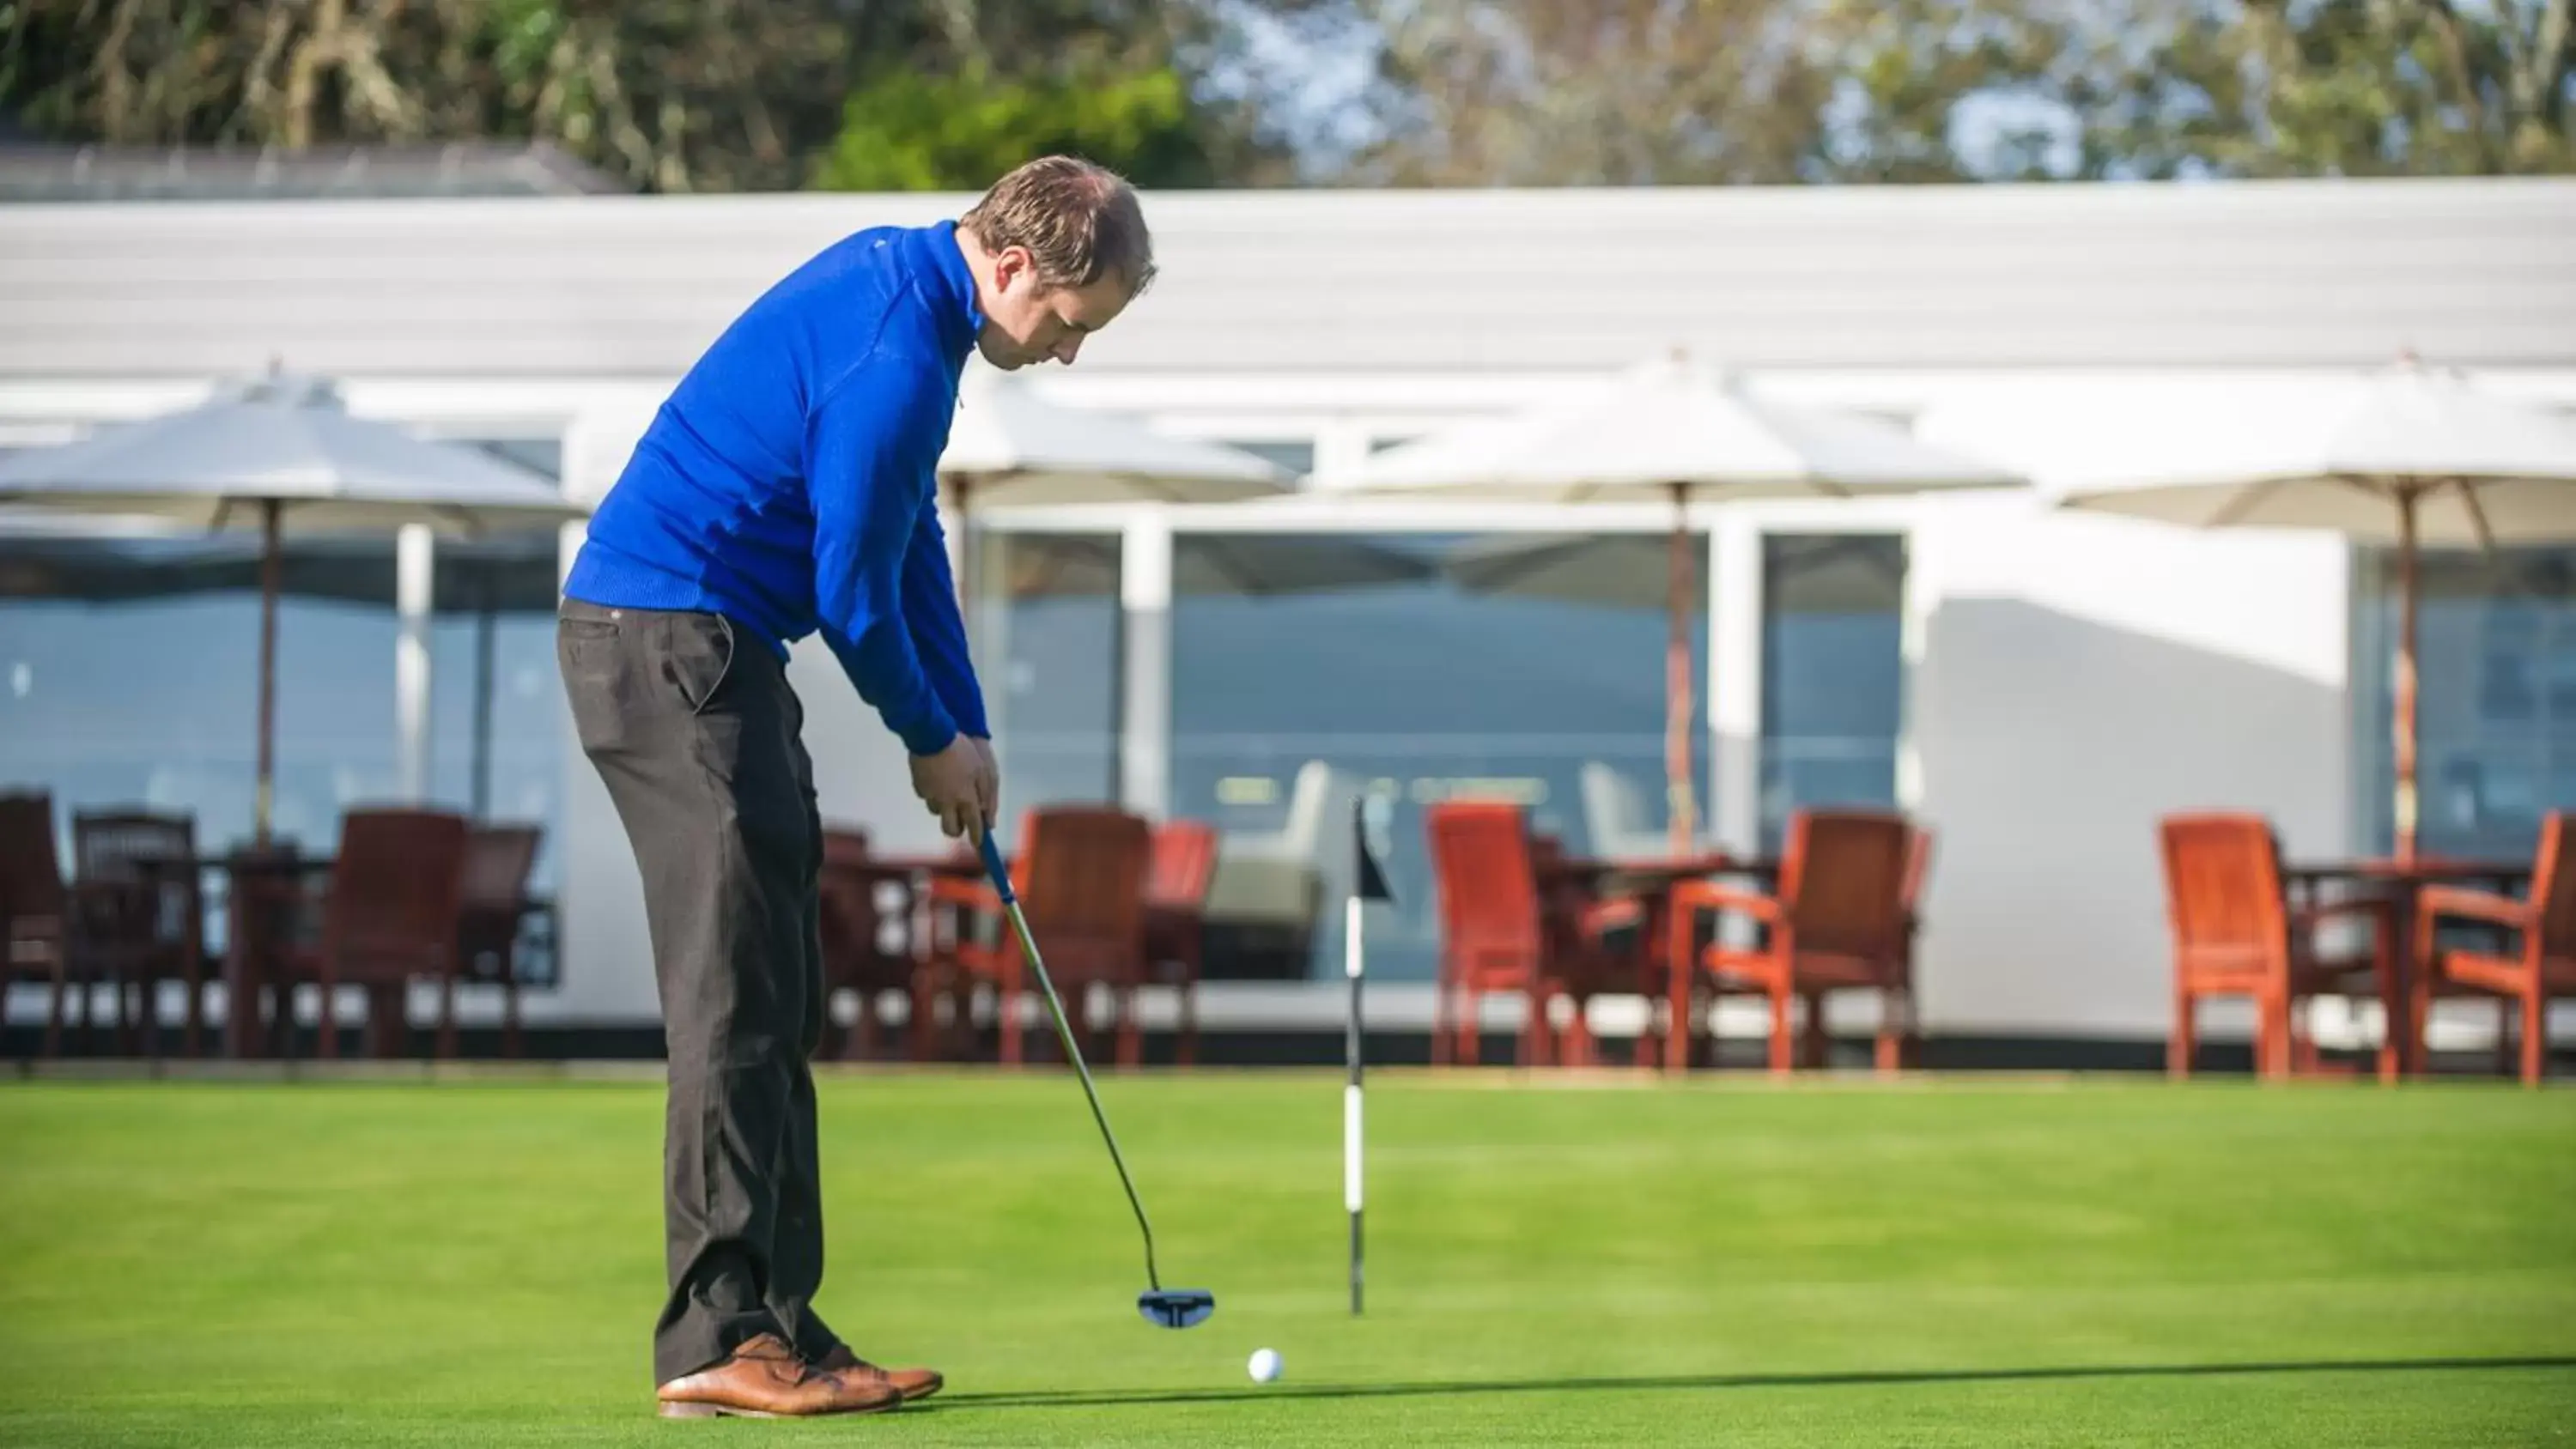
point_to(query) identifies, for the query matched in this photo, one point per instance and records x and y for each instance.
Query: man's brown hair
(1077, 219)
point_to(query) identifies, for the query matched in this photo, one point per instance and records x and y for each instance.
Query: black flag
(1371, 885)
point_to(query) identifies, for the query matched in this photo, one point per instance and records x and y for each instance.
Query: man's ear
(1012, 265)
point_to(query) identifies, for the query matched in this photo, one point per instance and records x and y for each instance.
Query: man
(787, 486)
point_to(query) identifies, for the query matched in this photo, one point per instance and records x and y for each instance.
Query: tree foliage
(672, 95)
(1666, 91)
(759, 94)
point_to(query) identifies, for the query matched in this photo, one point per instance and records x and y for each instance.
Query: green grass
(1968, 1263)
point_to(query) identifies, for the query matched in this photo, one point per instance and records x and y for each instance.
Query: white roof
(2329, 273)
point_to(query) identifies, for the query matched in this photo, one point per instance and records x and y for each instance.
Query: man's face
(1028, 321)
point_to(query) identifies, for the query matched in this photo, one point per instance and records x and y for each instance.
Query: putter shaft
(1001, 876)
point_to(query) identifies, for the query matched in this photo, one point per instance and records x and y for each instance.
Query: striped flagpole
(1353, 967)
(1368, 883)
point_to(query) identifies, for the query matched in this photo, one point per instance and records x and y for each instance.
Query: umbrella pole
(484, 624)
(2405, 712)
(269, 565)
(1677, 683)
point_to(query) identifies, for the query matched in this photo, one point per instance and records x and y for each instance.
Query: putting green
(1948, 1263)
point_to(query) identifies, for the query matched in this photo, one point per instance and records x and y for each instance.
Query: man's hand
(956, 784)
(988, 781)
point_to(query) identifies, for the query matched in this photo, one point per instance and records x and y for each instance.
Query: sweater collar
(950, 287)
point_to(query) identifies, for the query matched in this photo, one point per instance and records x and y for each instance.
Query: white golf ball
(1265, 1365)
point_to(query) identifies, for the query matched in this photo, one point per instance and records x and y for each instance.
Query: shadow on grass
(1113, 1398)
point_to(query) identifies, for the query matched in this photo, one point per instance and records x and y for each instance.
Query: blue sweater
(789, 481)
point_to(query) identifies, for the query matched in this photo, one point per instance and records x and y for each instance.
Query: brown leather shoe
(912, 1383)
(765, 1380)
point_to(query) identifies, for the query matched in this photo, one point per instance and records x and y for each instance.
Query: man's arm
(931, 607)
(865, 473)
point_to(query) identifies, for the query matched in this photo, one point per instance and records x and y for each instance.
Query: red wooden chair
(41, 935)
(1497, 934)
(854, 922)
(1898, 1051)
(1838, 922)
(2539, 965)
(1080, 877)
(1176, 891)
(396, 897)
(2236, 933)
(146, 925)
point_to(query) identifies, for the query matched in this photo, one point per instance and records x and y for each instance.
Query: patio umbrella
(276, 450)
(2409, 455)
(1677, 429)
(1011, 448)
(1625, 570)
(1261, 565)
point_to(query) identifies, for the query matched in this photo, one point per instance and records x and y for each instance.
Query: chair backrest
(397, 887)
(852, 924)
(107, 843)
(1615, 817)
(1843, 880)
(1184, 864)
(1081, 878)
(1918, 869)
(2553, 884)
(1307, 798)
(1487, 876)
(106, 846)
(31, 874)
(844, 845)
(2223, 889)
(499, 859)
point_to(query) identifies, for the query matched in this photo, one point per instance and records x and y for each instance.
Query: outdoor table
(254, 874)
(1651, 880)
(2398, 882)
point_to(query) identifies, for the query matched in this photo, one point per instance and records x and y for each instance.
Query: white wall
(2081, 678)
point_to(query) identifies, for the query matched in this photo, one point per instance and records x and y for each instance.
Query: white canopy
(1674, 424)
(288, 440)
(2336, 455)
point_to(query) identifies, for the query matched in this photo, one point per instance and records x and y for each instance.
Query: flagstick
(1353, 967)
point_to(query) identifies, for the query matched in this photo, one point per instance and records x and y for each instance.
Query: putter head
(1176, 1307)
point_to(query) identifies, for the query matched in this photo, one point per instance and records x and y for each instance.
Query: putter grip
(994, 867)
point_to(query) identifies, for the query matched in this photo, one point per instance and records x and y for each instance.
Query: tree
(2352, 88)
(907, 131)
(1493, 92)
(667, 94)
(670, 95)
(966, 90)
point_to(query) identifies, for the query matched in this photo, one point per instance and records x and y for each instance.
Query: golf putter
(1167, 1307)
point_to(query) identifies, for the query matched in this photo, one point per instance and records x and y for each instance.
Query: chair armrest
(2436, 902)
(1692, 896)
(1599, 918)
(950, 890)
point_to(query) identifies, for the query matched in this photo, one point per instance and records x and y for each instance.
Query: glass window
(133, 680)
(2496, 692)
(1057, 687)
(1359, 663)
(1833, 670)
